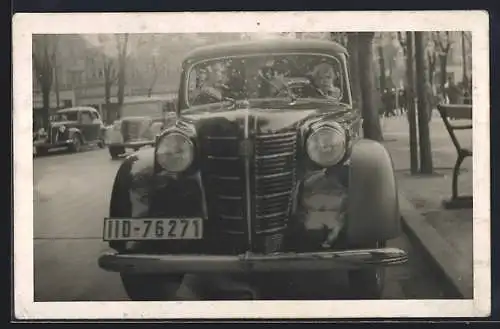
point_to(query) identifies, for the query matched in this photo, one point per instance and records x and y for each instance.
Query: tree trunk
(121, 88)
(122, 65)
(371, 123)
(56, 87)
(464, 59)
(426, 166)
(431, 59)
(46, 106)
(352, 46)
(382, 68)
(443, 59)
(410, 103)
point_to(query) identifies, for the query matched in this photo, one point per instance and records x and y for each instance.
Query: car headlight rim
(338, 146)
(165, 158)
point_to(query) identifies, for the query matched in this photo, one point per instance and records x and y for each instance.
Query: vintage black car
(263, 171)
(71, 128)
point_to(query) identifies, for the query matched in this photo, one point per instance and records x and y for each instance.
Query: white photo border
(25, 25)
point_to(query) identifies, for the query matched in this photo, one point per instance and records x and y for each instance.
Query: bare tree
(339, 37)
(352, 46)
(43, 54)
(122, 48)
(110, 76)
(431, 64)
(442, 44)
(56, 77)
(402, 42)
(371, 122)
(426, 166)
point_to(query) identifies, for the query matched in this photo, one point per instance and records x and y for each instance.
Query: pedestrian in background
(453, 92)
(430, 99)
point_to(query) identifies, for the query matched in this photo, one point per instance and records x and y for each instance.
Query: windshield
(266, 76)
(66, 116)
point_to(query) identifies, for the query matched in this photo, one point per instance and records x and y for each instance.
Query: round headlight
(62, 129)
(327, 145)
(175, 152)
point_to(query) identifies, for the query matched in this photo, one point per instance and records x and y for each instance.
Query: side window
(85, 117)
(94, 116)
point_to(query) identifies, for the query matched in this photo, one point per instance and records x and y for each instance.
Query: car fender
(319, 208)
(373, 209)
(73, 131)
(155, 129)
(131, 187)
(136, 184)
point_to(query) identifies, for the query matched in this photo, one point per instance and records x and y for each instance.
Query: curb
(447, 262)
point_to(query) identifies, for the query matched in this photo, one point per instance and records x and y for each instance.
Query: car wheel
(151, 287)
(115, 151)
(368, 283)
(76, 146)
(101, 144)
(40, 151)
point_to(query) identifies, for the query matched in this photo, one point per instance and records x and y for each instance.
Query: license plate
(153, 229)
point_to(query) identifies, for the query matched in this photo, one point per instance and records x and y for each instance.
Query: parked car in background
(141, 120)
(71, 128)
(263, 171)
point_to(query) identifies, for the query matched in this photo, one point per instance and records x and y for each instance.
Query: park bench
(457, 112)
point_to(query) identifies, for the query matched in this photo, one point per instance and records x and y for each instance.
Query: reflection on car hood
(262, 116)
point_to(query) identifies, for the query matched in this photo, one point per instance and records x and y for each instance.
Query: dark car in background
(71, 128)
(262, 172)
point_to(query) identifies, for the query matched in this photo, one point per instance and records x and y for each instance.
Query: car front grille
(131, 130)
(272, 179)
(274, 176)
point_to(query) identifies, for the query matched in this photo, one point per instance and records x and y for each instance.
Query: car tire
(368, 283)
(151, 287)
(115, 151)
(40, 151)
(76, 146)
(101, 144)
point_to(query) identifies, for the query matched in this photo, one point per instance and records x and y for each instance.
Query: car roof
(279, 45)
(76, 109)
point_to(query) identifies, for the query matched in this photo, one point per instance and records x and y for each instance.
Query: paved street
(71, 198)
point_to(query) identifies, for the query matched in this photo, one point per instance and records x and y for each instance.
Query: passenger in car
(323, 79)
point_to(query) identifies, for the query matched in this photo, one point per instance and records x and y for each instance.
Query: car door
(86, 125)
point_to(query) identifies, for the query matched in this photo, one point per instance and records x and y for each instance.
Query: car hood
(262, 116)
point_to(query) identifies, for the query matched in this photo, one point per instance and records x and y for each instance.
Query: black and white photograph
(205, 160)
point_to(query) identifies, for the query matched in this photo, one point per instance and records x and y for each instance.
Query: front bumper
(311, 261)
(46, 145)
(131, 144)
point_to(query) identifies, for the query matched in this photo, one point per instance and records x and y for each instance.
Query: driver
(323, 79)
(211, 84)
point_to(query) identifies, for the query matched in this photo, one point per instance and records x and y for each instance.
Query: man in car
(212, 85)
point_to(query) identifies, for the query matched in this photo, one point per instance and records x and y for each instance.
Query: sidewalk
(445, 235)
